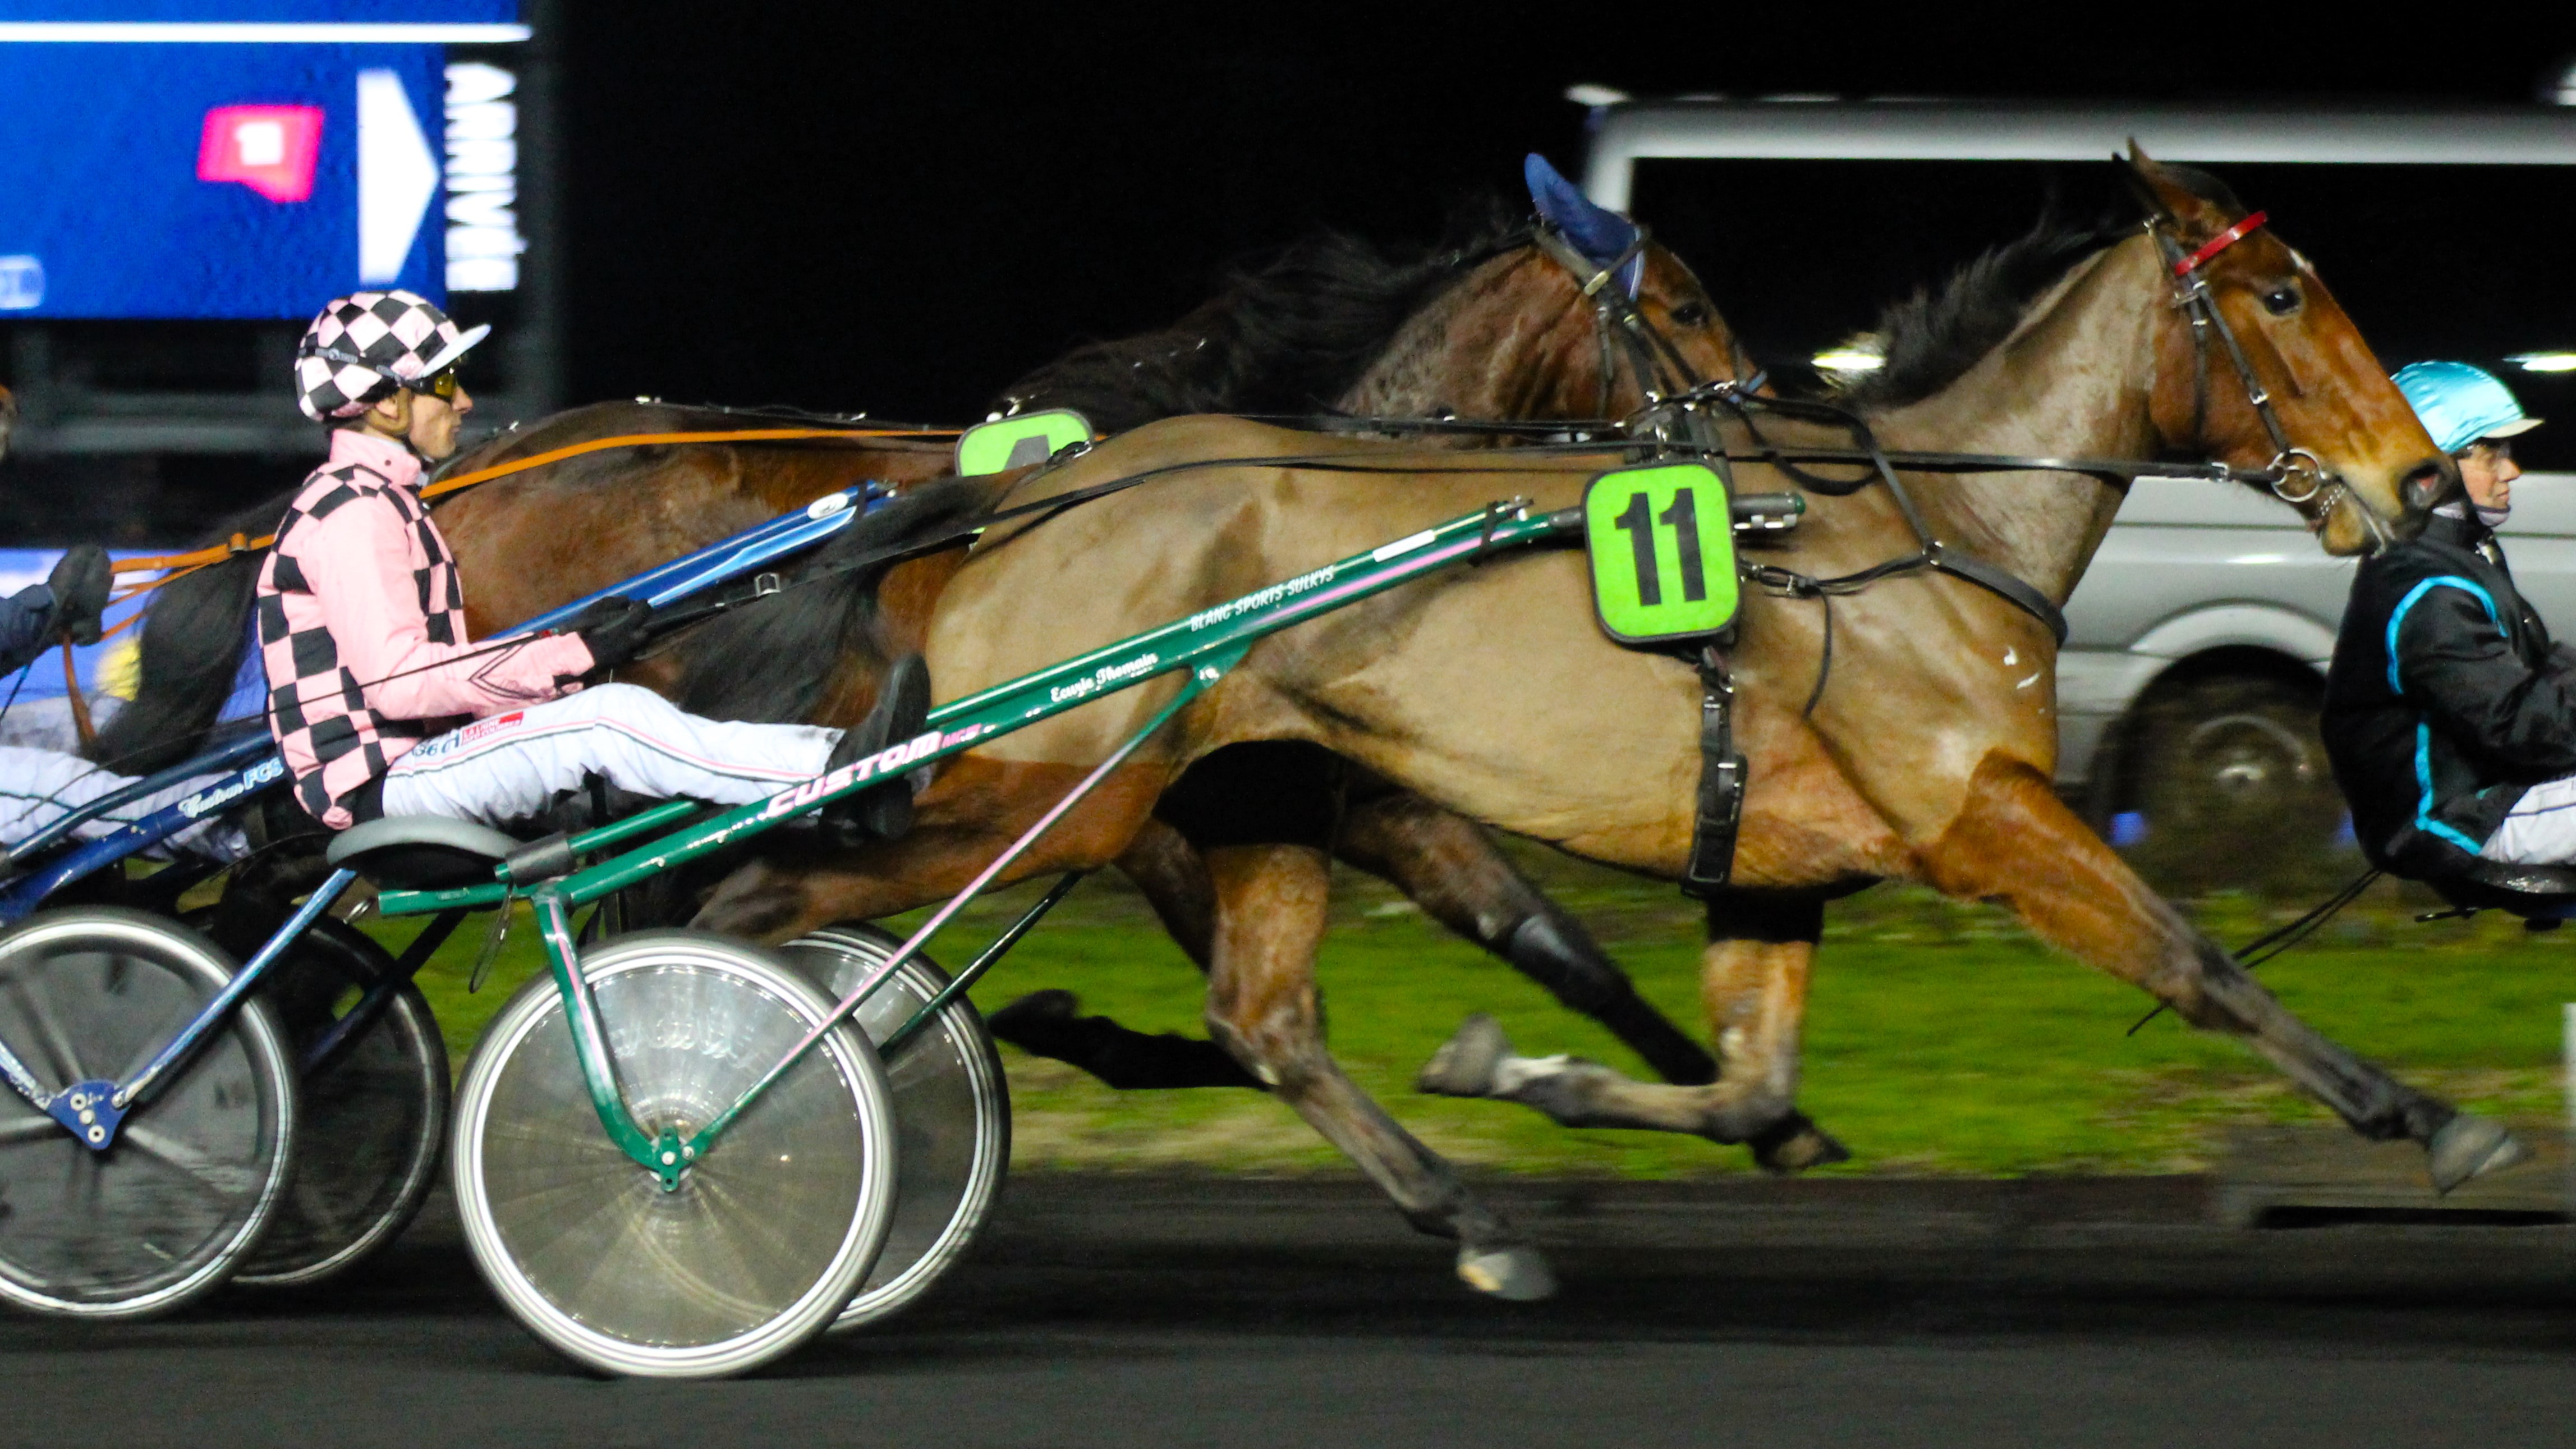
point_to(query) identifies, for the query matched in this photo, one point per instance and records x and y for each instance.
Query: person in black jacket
(38, 785)
(2450, 718)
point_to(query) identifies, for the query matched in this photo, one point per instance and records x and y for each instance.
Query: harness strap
(2012, 587)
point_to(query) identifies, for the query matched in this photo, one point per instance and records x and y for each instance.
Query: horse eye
(1690, 314)
(2281, 301)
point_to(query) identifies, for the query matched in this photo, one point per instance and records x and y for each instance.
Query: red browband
(2219, 243)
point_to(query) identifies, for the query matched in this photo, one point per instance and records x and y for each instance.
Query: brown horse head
(1518, 338)
(2356, 461)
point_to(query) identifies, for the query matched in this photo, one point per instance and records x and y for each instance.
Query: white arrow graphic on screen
(397, 176)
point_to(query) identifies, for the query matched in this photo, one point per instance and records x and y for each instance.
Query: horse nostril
(2430, 483)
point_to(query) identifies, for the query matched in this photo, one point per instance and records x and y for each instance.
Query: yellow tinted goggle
(440, 384)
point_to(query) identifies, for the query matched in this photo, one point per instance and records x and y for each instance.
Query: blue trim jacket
(2445, 701)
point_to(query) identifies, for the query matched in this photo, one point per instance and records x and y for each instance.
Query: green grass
(1940, 1039)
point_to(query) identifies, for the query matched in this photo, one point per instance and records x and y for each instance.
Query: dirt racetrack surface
(1155, 1311)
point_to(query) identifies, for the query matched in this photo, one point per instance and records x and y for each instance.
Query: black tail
(771, 661)
(194, 635)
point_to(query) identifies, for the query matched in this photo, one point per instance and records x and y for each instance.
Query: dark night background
(899, 209)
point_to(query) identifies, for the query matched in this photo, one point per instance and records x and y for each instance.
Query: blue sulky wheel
(766, 1238)
(374, 1113)
(952, 1108)
(192, 1176)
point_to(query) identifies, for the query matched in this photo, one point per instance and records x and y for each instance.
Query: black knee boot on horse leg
(1554, 950)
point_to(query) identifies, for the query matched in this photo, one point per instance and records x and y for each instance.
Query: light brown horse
(1491, 692)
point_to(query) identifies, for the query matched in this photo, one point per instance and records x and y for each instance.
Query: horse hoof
(1515, 1275)
(1464, 1065)
(1798, 1146)
(2468, 1147)
(1038, 1016)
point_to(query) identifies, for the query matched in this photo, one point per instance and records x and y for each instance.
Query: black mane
(1288, 336)
(194, 633)
(1933, 337)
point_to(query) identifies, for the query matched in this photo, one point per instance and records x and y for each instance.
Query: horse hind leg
(1167, 871)
(1262, 1005)
(2016, 842)
(1756, 991)
(1451, 868)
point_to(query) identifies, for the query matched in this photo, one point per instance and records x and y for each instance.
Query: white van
(2189, 687)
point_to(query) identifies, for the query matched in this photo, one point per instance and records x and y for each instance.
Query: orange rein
(181, 565)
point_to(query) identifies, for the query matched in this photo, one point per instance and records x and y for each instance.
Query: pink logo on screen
(269, 149)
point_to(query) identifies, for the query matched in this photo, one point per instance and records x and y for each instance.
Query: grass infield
(1940, 1038)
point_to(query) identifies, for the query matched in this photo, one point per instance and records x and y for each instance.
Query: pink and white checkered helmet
(363, 346)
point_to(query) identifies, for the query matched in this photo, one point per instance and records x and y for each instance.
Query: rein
(181, 565)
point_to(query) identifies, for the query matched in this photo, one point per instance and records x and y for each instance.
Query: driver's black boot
(881, 812)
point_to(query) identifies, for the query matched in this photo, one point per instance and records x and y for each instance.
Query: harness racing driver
(2450, 718)
(382, 705)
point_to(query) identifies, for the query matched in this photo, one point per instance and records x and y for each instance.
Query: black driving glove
(80, 584)
(614, 628)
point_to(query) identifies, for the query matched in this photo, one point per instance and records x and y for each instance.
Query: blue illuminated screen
(150, 179)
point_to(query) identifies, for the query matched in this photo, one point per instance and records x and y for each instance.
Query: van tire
(2230, 775)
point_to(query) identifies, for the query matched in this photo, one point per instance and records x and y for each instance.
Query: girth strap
(1721, 782)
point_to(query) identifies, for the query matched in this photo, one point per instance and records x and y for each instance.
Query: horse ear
(2133, 171)
(1598, 233)
(2167, 195)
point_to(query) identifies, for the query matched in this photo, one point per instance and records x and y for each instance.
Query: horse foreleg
(1262, 1005)
(1756, 992)
(1452, 869)
(2016, 842)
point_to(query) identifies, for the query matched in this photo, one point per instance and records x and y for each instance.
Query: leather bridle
(1623, 329)
(2295, 475)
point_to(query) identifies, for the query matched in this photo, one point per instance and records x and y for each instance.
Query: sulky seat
(421, 852)
(2539, 892)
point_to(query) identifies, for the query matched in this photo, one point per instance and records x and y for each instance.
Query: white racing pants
(2541, 830)
(513, 765)
(38, 787)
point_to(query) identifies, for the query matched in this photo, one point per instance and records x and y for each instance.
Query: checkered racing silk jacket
(362, 631)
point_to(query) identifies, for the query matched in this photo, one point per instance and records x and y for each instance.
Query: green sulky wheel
(766, 1238)
(951, 1104)
(194, 1174)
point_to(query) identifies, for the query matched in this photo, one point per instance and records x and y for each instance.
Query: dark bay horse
(1493, 326)
(1928, 756)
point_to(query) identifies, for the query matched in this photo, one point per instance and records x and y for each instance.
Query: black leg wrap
(1772, 917)
(1264, 792)
(1043, 1025)
(1558, 954)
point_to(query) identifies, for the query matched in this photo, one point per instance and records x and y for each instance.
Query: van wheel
(2233, 790)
